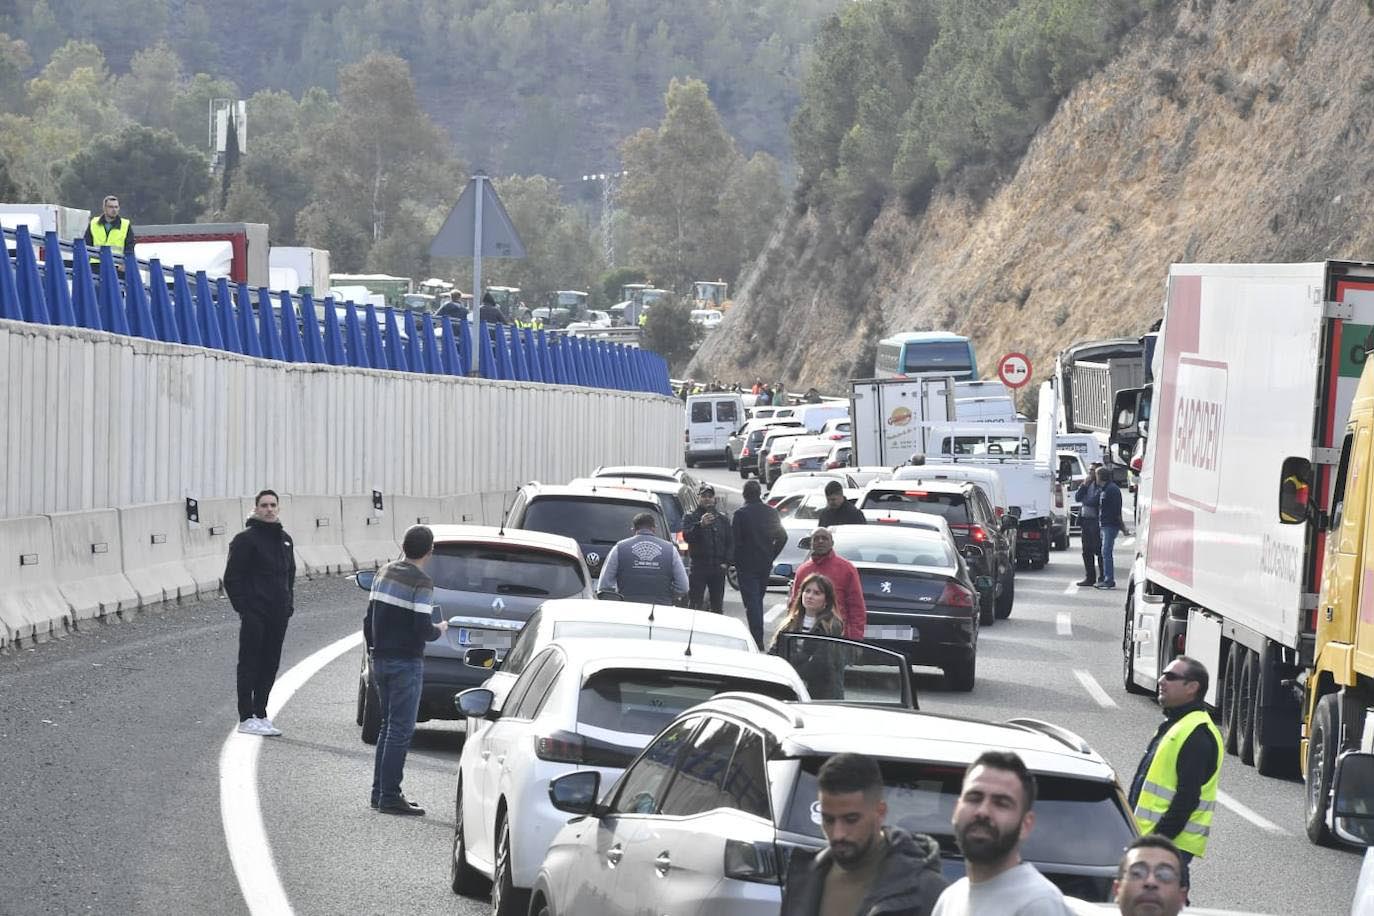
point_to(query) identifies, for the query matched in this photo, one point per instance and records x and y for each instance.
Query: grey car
(487, 583)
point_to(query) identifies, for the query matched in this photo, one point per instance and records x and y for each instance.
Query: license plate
(881, 631)
(483, 639)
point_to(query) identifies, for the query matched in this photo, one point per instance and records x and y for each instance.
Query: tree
(146, 92)
(158, 180)
(670, 332)
(248, 203)
(14, 63)
(191, 107)
(613, 280)
(559, 251)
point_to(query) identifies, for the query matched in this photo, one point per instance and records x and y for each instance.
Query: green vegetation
(670, 333)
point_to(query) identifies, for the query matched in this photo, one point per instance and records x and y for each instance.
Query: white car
(807, 482)
(709, 319)
(579, 705)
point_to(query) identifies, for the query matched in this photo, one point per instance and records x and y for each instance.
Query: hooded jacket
(260, 576)
(908, 883)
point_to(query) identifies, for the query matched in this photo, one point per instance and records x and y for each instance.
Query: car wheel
(1062, 542)
(1230, 699)
(743, 472)
(1008, 596)
(730, 463)
(463, 878)
(960, 677)
(1321, 760)
(372, 712)
(506, 900)
(691, 463)
(1246, 710)
(540, 908)
(1128, 646)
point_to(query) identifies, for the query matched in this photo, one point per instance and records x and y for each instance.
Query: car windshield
(504, 570)
(800, 483)
(585, 520)
(984, 445)
(951, 506)
(643, 702)
(811, 506)
(600, 629)
(905, 546)
(1078, 822)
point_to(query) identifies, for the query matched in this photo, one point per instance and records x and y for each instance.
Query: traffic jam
(629, 748)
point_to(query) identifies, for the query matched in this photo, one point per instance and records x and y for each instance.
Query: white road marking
(1094, 689)
(1127, 542)
(244, 833)
(1259, 821)
(726, 486)
(774, 613)
(1063, 623)
(1071, 589)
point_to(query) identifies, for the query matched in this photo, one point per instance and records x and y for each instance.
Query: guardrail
(194, 310)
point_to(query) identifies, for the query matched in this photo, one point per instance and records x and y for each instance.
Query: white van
(711, 418)
(994, 409)
(814, 416)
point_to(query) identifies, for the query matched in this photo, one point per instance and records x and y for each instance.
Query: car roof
(651, 472)
(598, 654)
(815, 729)
(623, 494)
(927, 520)
(490, 534)
(628, 482)
(560, 609)
(819, 447)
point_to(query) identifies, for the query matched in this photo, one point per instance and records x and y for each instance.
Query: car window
(641, 701)
(701, 411)
(529, 704)
(948, 505)
(642, 786)
(879, 544)
(672, 510)
(600, 629)
(696, 785)
(587, 521)
(522, 684)
(519, 654)
(746, 782)
(1077, 821)
(504, 570)
(726, 413)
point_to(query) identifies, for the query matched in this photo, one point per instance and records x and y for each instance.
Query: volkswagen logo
(593, 559)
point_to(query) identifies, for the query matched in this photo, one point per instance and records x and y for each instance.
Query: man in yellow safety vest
(1175, 787)
(109, 228)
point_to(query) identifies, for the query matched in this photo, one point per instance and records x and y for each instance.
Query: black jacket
(847, 514)
(1109, 506)
(908, 884)
(492, 315)
(260, 577)
(709, 545)
(1197, 761)
(759, 537)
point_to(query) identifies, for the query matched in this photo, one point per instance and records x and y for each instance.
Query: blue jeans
(752, 590)
(1109, 533)
(398, 688)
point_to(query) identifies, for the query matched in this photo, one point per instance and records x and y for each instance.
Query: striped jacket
(398, 621)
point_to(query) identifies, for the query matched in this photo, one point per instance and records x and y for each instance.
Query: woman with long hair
(820, 663)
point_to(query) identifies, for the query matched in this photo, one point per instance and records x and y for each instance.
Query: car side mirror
(804, 543)
(476, 703)
(576, 793)
(1014, 511)
(366, 578)
(1352, 800)
(971, 552)
(608, 595)
(480, 658)
(1008, 522)
(783, 569)
(1144, 427)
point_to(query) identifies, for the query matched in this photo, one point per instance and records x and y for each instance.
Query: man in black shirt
(838, 510)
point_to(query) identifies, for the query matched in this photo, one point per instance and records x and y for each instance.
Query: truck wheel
(1008, 596)
(690, 462)
(1276, 746)
(960, 677)
(1321, 761)
(1247, 710)
(1128, 646)
(1230, 698)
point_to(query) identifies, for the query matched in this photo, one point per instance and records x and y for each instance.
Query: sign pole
(477, 272)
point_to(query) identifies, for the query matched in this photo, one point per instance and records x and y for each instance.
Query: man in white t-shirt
(991, 818)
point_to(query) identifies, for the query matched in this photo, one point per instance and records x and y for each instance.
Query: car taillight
(831, 465)
(744, 452)
(955, 595)
(838, 436)
(681, 540)
(794, 465)
(775, 459)
(999, 511)
(1031, 534)
(1059, 498)
(560, 747)
(916, 493)
(977, 533)
(1137, 464)
(759, 862)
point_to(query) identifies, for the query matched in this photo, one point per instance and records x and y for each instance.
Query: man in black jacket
(711, 546)
(260, 580)
(838, 510)
(866, 867)
(759, 538)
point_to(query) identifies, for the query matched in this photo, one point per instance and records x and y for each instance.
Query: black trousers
(1091, 537)
(704, 578)
(260, 640)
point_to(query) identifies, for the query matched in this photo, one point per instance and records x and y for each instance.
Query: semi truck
(298, 270)
(891, 417)
(1086, 378)
(1251, 548)
(238, 251)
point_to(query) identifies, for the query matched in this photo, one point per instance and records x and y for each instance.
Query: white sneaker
(252, 726)
(268, 729)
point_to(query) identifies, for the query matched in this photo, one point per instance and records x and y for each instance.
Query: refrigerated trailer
(1254, 375)
(891, 416)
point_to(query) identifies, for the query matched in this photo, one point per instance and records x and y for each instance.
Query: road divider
(89, 564)
(154, 553)
(315, 524)
(31, 606)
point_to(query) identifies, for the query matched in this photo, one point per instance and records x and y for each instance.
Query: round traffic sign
(1014, 370)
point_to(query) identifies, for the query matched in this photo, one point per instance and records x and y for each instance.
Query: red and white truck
(238, 251)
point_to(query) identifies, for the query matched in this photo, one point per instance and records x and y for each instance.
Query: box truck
(1249, 557)
(237, 251)
(298, 270)
(891, 416)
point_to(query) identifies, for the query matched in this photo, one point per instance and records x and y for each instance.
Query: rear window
(1077, 821)
(984, 445)
(726, 412)
(597, 629)
(907, 546)
(504, 571)
(587, 521)
(701, 411)
(951, 506)
(938, 355)
(644, 702)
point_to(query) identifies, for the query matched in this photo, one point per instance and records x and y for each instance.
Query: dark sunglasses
(1173, 676)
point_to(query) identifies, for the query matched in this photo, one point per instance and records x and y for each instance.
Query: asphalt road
(111, 743)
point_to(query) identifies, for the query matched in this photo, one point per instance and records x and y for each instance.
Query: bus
(925, 353)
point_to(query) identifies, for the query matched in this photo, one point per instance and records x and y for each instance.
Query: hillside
(1224, 131)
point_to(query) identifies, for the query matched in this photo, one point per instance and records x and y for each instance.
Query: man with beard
(991, 818)
(1149, 880)
(866, 868)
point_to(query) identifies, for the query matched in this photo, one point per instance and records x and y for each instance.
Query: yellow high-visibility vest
(114, 237)
(1161, 784)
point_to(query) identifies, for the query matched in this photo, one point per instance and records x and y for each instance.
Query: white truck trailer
(891, 417)
(1254, 374)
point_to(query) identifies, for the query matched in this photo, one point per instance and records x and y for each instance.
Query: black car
(972, 521)
(596, 517)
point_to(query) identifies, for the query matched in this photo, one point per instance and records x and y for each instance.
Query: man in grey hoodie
(866, 869)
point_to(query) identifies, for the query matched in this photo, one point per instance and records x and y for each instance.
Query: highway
(112, 741)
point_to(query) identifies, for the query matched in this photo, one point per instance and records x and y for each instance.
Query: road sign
(497, 237)
(1014, 370)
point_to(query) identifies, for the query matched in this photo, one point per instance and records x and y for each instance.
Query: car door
(598, 884)
(850, 671)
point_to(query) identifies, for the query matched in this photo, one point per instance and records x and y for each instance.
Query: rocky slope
(1228, 130)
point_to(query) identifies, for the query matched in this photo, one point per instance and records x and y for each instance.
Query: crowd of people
(765, 394)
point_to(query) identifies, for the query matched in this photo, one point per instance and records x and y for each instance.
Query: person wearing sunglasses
(1174, 792)
(1149, 880)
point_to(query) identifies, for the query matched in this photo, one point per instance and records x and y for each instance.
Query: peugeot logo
(593, 559)
(887, 588)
